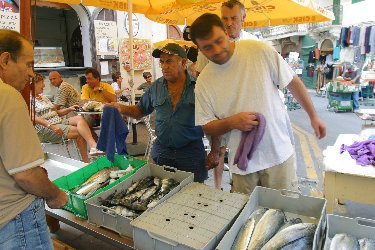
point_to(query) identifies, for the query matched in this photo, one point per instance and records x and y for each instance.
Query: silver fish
(291, 234)
(266, 228)
(150, 192)
(94, 182)
(290, 223)
(344, 242)
(366, 244)
(301, 244)
(243, 237)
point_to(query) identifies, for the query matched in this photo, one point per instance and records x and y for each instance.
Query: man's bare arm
(133, 111)
(109, 96)
(35, 181)
(244, 121)
(298, 90)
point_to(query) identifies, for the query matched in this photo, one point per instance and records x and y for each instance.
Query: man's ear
(4, 59)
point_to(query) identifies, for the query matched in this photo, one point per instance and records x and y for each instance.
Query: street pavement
(309, 163)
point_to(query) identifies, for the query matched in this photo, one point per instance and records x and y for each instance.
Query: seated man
(67, 95)
(96, 90)
(52, 128)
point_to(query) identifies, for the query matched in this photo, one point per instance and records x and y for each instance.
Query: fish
(150, 192)
(120, 210)
(300, 244)
(343, 242)
(290, 235)
(132, 187)
(366, 244)
(120, 173)
(95, 182)
(266, 228)
(290, 223)
(167, 184)
(243, 237)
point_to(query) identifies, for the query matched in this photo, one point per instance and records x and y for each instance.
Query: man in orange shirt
(96, 90)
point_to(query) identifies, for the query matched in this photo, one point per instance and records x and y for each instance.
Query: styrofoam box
(105, 217)
(293, 204)
(357, 227)
(197, 217)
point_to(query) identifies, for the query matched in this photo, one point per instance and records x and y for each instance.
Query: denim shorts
(28, 230)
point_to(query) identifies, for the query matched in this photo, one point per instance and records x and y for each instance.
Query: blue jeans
(355, 98)
(190, 158)
(28, 230)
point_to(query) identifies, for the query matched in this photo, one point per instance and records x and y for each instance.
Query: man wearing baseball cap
(179, 142)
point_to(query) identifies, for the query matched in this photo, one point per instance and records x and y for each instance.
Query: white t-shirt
(247, 83)
(202, 61)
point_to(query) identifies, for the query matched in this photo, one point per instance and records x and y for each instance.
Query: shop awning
(179, 42)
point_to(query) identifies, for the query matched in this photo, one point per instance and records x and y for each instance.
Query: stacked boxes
(197, 217)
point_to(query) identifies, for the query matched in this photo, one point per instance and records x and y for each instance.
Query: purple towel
(249, 143)
(363, 152)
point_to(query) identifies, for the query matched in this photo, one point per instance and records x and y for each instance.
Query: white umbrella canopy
(258, 13)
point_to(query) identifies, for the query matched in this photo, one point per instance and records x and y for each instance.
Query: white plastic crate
(104, 217)
(197, 217)
(357, 227)
(294, 205)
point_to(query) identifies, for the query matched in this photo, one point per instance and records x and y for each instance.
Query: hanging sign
(142, 53)
(106, 37)
(10, 21)
(135, 23)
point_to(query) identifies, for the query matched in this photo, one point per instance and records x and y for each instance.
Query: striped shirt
(45, 109)
(67, 95)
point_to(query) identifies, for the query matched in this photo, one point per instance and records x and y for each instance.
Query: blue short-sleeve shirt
(174, 128)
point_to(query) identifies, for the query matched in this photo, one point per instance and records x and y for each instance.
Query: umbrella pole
(131, 80)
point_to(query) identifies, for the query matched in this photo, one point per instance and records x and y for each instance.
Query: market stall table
(58, 166)
(344, 179)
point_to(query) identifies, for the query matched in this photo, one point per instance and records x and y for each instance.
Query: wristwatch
(100, 89)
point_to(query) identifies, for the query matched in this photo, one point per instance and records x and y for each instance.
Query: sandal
(95, 151)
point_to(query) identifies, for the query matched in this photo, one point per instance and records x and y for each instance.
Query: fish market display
(347, 241)
(140, 196)
(101, 179)
(269, 229)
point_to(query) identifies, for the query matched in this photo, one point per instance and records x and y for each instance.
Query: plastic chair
(65, 142)
(151, 134)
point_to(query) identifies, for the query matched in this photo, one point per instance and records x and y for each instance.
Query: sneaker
(95, 151)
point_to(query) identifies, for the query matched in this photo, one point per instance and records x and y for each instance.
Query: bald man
(67, 95)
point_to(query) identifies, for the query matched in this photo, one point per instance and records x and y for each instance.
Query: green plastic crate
(76, 203)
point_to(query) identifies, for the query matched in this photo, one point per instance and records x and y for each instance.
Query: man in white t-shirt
(232, 15)
(241, 80)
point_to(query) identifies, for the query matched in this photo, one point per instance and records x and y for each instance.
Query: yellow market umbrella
(258, 13)
(179, 42)
(140, 6)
